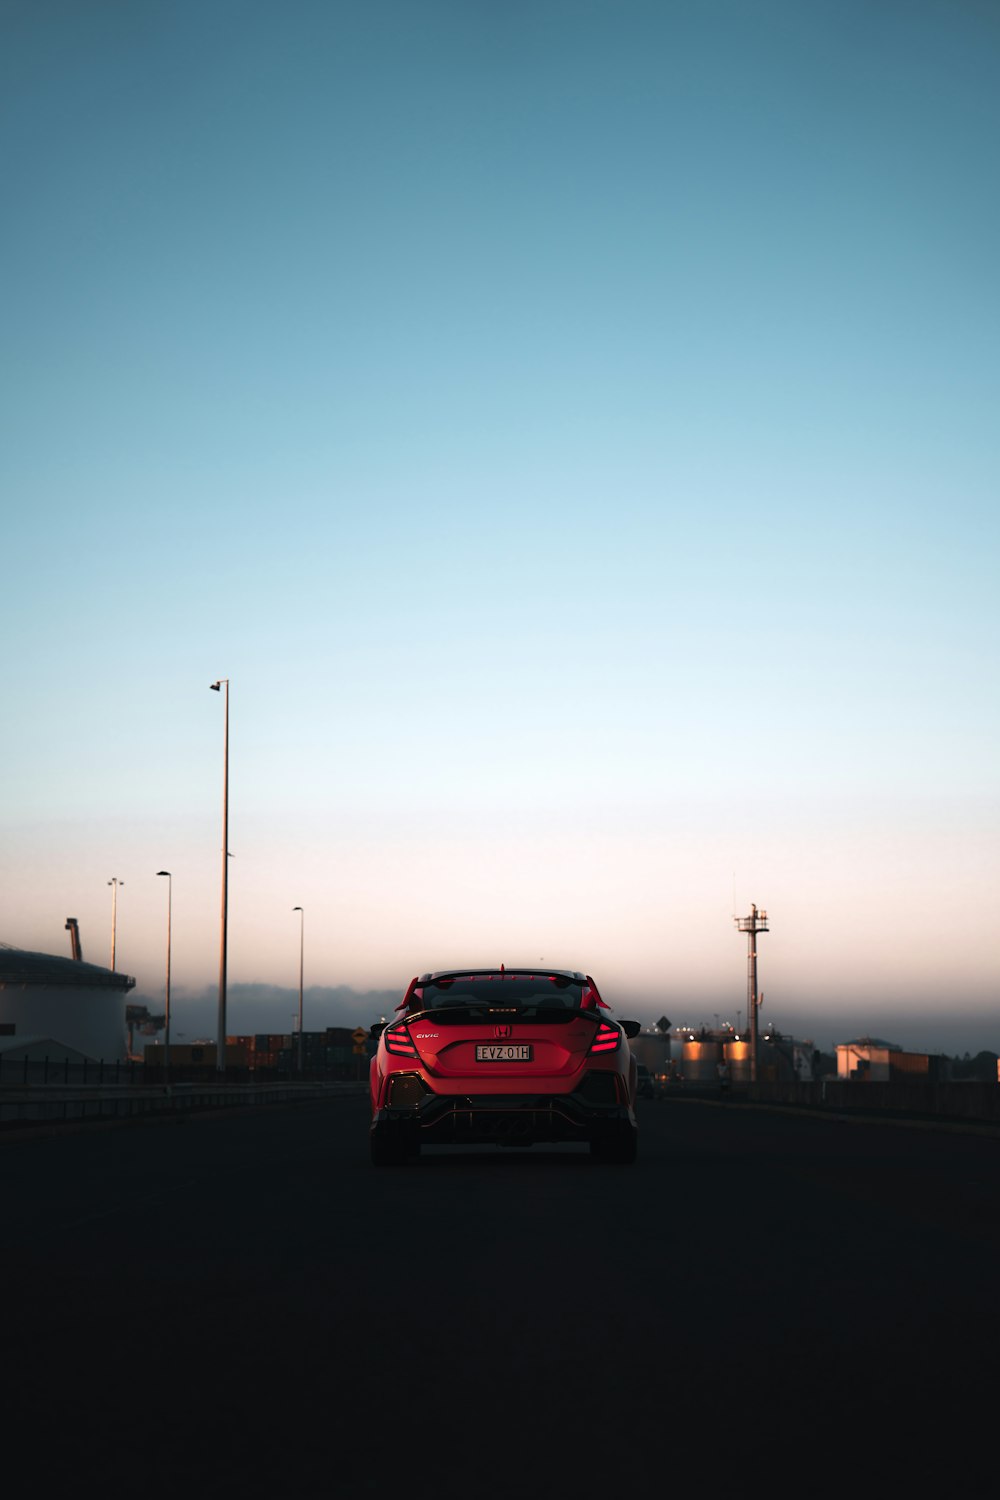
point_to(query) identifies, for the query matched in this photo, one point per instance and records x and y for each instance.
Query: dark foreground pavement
(241, 1305)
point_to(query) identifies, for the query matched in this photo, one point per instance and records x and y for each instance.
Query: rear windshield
(520, 992)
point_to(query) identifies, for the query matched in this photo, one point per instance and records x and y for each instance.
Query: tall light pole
(170, 894)
(114, 883)
(302, 954)
(220, 1054)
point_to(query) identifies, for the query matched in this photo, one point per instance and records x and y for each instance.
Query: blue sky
(572, 429)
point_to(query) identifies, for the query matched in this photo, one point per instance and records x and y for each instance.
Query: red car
(504, 1056)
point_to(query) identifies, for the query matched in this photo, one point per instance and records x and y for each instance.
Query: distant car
(645, 1082)
(513, 1057)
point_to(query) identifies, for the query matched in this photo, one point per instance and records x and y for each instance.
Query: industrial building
(868, 1059)
(331, 1053)
(81, 1006)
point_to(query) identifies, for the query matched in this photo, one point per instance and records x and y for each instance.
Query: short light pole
(114, 884)
(220, 1059)
(302, 954)
(170, 895)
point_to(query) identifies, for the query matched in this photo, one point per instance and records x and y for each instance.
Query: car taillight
(607, 1038)
(398, 1041)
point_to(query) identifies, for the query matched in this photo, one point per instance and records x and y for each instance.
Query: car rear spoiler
(596, 994)
(404, 1003)
(591, 993)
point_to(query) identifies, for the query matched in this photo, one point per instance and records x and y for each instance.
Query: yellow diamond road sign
(359, 1035)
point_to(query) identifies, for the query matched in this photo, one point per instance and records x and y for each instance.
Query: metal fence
(25, 1072)
(913, 1098)
(54, 1104)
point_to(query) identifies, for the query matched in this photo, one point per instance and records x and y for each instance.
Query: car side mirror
(630, 1028)
(376, 1031)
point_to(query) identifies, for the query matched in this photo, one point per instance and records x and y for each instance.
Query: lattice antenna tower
(751, 925)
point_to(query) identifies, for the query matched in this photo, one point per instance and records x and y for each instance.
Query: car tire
(620, 1149)
(625, 1147)
(389, 1152)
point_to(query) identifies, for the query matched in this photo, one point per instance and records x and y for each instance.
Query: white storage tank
(737, 1055)
(701, 1061)
(78, 1004)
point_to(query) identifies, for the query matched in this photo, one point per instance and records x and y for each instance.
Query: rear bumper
(501, 1119)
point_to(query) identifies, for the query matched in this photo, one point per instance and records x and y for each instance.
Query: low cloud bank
(256, 1008)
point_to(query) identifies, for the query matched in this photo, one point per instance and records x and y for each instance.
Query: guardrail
(965, 1101)
(57, 1105)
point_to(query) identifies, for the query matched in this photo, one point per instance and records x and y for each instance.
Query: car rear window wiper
(456, 1005)
(540, 1007)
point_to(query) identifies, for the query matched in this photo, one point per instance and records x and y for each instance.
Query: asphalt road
(241, 1304)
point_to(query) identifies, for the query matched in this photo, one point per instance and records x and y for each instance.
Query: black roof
(17, 966)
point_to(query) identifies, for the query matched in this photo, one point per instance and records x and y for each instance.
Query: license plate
(503, 1052)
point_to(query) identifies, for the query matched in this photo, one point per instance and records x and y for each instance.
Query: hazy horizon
(258, 1008)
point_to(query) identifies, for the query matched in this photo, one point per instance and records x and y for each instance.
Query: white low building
(80, 1005)
(868, 1058)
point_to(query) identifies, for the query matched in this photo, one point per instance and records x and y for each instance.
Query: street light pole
(302, 951)
(170, 895)
(220, 1057)
(114, 884)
